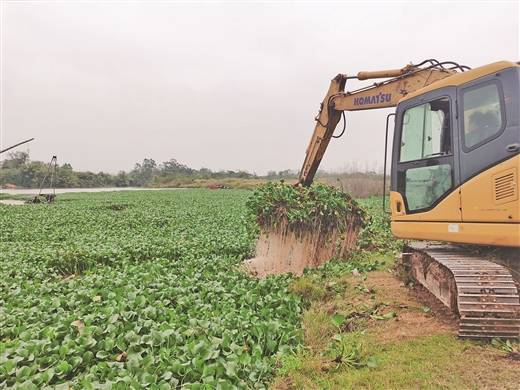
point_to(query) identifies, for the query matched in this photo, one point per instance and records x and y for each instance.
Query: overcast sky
(219, 85)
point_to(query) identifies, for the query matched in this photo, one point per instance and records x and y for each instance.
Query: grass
(426, 362)
(396, 339)
(359, 184)
(423, 362)
(228, 183)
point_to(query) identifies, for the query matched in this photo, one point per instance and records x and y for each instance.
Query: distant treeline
(17, 170)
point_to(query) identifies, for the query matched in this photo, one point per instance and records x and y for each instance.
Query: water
(12, 202)
(35, 191)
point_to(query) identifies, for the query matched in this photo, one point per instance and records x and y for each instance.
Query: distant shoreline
(35, 191)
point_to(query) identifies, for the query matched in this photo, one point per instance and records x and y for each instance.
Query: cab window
(426, 131)
(482, 114)
(424, 185)
(425, 173)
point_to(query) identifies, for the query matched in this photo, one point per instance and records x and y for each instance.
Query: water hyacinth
(304, 208)
(138, 290)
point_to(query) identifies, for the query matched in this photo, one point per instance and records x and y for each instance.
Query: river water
(35, 191)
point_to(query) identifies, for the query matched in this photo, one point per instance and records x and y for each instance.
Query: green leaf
(63, 368)
(102, 354)
(209, 370)
(147, 379)
(23, 373)
(167, 375)
(338, 320)
(372, 362)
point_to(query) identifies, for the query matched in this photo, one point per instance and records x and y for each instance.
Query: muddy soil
(283, 251)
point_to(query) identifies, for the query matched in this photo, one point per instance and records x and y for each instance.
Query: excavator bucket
(302, 227)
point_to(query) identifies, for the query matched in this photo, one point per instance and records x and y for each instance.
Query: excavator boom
(379, 95)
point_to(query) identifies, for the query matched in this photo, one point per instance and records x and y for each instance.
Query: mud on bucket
(302, 227)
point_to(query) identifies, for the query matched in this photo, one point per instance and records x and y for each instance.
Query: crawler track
(482, 292)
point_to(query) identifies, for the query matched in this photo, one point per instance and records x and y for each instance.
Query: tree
(205, 173)
(87, 179)
(16, 160)
(143, 174)
(286, 173)
(32, 174)
(66, 177)
(172, 166)
(122, 179)
(244, 175)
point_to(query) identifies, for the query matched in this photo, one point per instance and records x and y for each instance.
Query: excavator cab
(456, 157)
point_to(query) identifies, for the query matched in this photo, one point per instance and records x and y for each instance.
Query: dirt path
(418, 313)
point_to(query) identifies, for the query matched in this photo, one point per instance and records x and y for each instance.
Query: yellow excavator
(454, 179)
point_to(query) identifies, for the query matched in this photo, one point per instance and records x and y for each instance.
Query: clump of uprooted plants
(304, 209)
(302, 226)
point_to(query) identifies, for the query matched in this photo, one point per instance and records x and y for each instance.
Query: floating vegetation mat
(302, 227)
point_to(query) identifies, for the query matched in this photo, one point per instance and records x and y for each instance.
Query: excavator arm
(398, 83)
